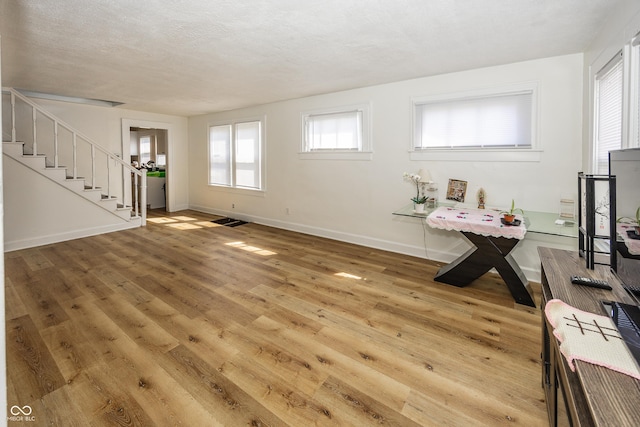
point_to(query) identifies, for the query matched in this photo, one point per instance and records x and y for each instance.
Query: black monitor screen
(625, 165)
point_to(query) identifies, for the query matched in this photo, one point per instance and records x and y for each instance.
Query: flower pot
(418, 207)
(509, 218)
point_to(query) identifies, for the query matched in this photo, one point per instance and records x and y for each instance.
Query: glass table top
(536, 222)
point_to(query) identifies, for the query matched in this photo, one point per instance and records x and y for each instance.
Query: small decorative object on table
(481, 196)
(432, 194)
(419, 200)
(510, 215)
(456, 190)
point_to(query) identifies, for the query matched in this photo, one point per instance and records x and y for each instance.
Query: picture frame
(456, 190)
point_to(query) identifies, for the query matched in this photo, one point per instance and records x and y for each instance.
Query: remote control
(587, 281)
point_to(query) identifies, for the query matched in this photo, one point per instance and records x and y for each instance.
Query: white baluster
(93, 167)
(109, 177)
(55, 143)
(35, 139)
(75, 156)
(13, 117)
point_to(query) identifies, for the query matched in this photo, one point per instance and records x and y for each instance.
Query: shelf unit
(596, 193)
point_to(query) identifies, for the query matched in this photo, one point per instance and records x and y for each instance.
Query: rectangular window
(498, 120)
(235, 155)
(608, 112)
(145, 149)
(247, 164)
(336, 133)
(220, 155)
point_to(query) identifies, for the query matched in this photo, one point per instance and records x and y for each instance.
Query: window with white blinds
(494, 120)
(608, 112)
(145, 149)
(235, 155)
(334, 133)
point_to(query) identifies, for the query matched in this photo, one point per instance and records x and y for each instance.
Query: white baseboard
(71, 235)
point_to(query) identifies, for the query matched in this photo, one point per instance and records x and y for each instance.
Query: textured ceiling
(188, 57)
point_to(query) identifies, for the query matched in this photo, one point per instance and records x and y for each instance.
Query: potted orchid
(418, 200)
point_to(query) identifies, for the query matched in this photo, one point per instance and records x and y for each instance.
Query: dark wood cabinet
(592, 395)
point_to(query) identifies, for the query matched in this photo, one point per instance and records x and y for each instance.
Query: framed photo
(456, 190)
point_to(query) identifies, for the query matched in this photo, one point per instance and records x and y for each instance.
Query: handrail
(93, 145)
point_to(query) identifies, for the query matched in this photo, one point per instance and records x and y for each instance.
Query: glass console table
(493, 251)
(535, 222)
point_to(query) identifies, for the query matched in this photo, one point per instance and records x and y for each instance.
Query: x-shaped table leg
(489, 252)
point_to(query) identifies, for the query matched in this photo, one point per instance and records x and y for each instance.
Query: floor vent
(229, 222)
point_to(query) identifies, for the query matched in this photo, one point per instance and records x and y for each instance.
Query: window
(336, 133)
(145, 149)
(500, 120)
(235, 155)
(608, 112)
(634, 83)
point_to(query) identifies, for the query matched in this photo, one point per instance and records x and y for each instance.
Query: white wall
(354, 200)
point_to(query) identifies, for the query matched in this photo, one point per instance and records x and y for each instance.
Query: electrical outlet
(287, 211)
(233, 205)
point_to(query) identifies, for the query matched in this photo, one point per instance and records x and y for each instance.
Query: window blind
(608, 120)
(493, 121)
(220, 155)
(248, 155)
(334, 131)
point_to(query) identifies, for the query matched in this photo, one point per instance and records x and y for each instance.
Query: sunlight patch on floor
(348, 276)
(184, 218)
(207, 224)
(249, 248)
(184, 226)
(162, 220)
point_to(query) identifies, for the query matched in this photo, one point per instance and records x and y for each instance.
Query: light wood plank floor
(185, 322)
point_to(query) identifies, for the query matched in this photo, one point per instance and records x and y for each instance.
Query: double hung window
(235, 154)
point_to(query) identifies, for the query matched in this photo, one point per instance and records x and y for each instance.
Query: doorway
(147, 145)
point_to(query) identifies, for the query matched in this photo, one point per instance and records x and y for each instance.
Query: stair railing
(138, 178)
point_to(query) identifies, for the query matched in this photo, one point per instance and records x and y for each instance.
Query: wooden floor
(185, 322)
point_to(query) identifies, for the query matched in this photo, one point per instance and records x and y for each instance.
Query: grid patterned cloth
(589, 337)
(484, 222)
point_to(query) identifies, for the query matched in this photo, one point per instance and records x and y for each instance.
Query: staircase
(61, 176)
(41, 142)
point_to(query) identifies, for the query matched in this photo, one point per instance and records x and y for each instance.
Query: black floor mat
(229, 222)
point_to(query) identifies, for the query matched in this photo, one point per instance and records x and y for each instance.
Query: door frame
(127, 124)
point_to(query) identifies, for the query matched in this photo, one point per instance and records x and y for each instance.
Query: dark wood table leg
(489, 252)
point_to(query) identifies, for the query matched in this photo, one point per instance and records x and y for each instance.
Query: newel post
(143, 197)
